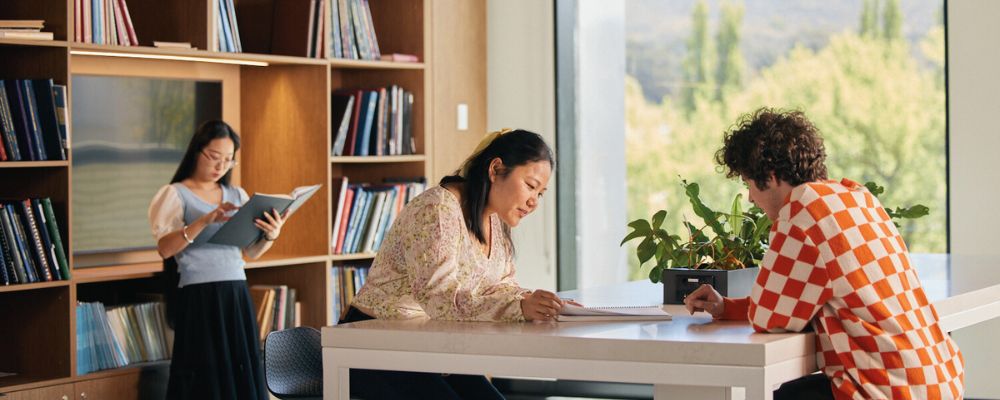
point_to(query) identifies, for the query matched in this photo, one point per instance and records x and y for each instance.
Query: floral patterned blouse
(430, 264)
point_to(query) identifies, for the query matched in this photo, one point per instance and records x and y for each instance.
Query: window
(869, 74)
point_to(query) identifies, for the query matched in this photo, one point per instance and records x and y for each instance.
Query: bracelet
(184, 232)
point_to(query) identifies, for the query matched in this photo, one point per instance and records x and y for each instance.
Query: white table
(691, 357)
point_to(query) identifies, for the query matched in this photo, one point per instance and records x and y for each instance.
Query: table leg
(336, 379)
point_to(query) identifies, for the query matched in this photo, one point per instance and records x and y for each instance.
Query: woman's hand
(541, 305)
(219, 214)
(705, 298)
(271, 224)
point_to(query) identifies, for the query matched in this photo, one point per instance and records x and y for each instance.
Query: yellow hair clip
(483, 144)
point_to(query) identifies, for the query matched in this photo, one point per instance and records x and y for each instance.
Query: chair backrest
(293, 363)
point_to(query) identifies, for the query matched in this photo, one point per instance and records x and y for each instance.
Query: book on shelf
(341, 196)
(29, 251)
(228, 32)
(59, 96)
(574, 313)
(172, 45)
(105, 22)
(277, 308)
(115, 337)
(365, 212)
(342, 106)
(322, 29)
(48, 118)
(32, 122)
(49, 217)
(379, 124)
(399, 57)
(347, 280)
(16, 272)
(34, 239)
(35, 24)
(25, 34)
(7, 133)
(241, 231)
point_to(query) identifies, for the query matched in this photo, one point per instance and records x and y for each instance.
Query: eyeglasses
(229, 164)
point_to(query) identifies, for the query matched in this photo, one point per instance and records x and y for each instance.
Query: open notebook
(572, 313)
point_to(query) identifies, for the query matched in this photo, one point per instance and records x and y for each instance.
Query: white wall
(974, 139)
(521, 94)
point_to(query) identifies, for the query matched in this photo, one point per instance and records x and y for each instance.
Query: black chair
(293, 363)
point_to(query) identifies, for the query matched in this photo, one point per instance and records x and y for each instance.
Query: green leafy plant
(727, 240)
(912, 212)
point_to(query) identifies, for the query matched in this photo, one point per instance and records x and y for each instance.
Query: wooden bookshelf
(280, 105)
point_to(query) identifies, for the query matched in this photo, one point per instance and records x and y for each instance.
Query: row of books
(365, 213)
(347, 280)
(24, 29)
(339, 29)
(31, 248)
(33, 120)
(277, 308)
(373, 122)
(119, 336)
(225, 30)
(104, 22)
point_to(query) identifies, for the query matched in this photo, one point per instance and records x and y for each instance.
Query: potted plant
(724, 252)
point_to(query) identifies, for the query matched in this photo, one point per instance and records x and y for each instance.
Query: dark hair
(206, 133)
(514, 148)
(769, 141)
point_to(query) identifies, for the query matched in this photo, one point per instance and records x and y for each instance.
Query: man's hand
(705, 298)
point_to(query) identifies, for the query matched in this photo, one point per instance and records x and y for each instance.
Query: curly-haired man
(835, 262)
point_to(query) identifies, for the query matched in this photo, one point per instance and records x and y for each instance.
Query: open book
(241, 231)
(628, 313)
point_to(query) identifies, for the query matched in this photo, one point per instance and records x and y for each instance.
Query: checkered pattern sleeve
(837, 261)
(792, 285)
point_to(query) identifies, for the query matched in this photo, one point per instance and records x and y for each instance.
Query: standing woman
(216, 350)
(449, 256)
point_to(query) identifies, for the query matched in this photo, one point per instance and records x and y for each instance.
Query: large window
(869, 73)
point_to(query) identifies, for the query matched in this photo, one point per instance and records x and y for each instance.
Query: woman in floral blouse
(449, 256)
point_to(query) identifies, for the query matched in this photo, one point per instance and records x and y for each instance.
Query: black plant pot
(678, 282)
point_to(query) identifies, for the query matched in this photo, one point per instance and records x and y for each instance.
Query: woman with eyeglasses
(216, 353)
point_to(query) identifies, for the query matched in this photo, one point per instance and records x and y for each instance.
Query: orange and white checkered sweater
(836, 260)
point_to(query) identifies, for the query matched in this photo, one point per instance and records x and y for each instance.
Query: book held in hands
(241, 231)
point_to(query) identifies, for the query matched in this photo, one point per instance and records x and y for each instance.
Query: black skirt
(216, 347)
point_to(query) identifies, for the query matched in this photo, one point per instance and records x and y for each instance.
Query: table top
(685, 339)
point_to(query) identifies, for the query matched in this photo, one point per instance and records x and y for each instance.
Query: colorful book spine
(53, 227)
(7, 126)
(34, 239)
(10, 247)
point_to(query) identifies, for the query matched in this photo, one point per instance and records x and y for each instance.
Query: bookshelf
(281, 106)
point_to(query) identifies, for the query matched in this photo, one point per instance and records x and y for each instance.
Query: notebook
(573, 313)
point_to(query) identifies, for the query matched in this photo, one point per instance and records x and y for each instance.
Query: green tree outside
(881, 111)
